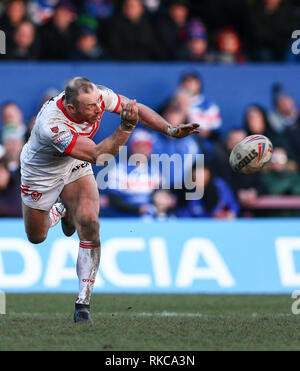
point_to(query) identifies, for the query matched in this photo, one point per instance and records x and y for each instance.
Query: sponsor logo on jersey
(62, 141)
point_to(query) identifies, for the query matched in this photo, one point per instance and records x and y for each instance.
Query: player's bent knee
(36, 239)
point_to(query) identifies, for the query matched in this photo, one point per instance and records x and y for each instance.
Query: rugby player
(57, 181)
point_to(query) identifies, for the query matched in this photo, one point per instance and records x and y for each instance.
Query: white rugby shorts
(42, 195)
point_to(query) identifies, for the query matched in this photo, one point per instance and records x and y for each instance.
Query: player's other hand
(183, 130)
(129, 115)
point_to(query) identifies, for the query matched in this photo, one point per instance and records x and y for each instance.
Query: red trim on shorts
(62, 108)
(71, 145)
(24, 189)
(118, 104)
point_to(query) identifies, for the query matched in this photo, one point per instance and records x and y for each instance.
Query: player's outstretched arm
(85, 149)
(156, 122)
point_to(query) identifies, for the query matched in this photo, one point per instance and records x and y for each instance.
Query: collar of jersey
(62, 108)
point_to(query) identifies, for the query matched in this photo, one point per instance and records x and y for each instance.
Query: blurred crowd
(141, 189)
(209, 31)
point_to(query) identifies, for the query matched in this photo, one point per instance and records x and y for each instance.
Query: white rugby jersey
(54, 135)
(204, 112)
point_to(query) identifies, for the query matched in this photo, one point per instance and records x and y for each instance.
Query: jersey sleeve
(57, 135)
(111, 99)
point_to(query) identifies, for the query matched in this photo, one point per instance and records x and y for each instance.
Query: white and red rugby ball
(251, 154)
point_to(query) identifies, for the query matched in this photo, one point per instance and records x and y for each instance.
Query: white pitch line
(128, 313)
(201, 315)
(167, 314)
(154, 314)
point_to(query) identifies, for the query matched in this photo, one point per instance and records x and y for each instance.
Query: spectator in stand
(58, 35)
(293, 134)
(227, 48)
(131, 36)
(12, 119)
(198, 108)
(219, 14)
(256, 122)
(285, 114)
(281, 177)
(218, 200)
(245, 188)
(24, 45)
(167, 145)
(172, 29)
(131, 185)
(87, 47)
(177, 150)
(164, 203)
(13, 143)
(96, 14)
(197, 41)
(41, 11)
(152, 6)
(15, 13)
(10, 177)
(10, 195)
(272, 23)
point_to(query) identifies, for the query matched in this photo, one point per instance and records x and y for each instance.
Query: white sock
(87, 267)
(56, 213)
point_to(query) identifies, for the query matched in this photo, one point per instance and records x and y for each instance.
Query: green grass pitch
(151, 322)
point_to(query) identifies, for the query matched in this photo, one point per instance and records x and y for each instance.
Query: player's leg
(67, 223)
(37, 222)
(40, 210)
(81, 199)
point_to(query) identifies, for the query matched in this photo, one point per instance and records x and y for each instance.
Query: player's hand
(183, 130)
(129, 115)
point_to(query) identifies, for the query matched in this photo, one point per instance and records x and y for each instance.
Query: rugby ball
(251, 154)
